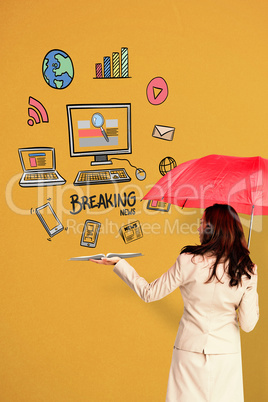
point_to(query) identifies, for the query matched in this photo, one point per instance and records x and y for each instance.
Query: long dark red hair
(224, 239)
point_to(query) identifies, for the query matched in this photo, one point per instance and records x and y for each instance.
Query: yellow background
(73, 331)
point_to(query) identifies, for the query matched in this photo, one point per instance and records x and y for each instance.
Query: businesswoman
(218, 283)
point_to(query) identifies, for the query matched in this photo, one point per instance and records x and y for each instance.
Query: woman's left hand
(106, 261)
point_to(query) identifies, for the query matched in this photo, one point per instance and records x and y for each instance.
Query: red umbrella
(199, 183)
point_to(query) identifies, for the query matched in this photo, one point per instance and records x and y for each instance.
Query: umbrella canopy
(241, 182)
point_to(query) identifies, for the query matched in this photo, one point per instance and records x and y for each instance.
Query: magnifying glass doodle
(98, 121)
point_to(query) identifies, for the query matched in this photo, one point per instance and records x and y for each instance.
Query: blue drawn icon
(58, 71)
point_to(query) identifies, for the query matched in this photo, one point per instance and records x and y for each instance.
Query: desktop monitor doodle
(99, 130)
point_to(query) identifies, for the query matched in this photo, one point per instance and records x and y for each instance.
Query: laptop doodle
(39, 167)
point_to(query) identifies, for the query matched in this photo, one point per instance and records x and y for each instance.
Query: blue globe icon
(58, 71)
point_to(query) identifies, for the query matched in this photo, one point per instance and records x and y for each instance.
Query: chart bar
(98, 70)
(107, 66)
(124, 62)
(116, 65)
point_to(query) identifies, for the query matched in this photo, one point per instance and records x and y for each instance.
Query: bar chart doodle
(115, 66)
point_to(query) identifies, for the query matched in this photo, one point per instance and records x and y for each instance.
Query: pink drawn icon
(35, 117)
(157, 91)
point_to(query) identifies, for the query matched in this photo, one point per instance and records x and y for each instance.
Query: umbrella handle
(184, 203)
(250, 226)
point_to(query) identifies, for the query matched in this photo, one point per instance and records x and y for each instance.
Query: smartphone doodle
(90, 233)
(49, 219)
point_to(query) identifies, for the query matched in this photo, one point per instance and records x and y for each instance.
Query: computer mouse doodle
(140, 174)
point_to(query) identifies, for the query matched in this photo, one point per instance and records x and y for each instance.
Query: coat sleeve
(155, 290)
(248, 311)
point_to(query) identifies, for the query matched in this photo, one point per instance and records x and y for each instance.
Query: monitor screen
(37, 159)
(99, 130)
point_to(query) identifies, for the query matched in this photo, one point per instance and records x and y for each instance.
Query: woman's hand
(106, 261)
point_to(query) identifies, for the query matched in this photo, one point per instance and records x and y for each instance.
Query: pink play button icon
(157, 91)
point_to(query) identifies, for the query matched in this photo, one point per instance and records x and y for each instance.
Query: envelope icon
(163, 132)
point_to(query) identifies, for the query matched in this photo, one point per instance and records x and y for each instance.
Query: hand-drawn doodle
(111, 68)
(157, 91)
(49, 219)
(39, 167)
(130, 232)
(98, 121)
(167, 164)
(103, 176)
(58, 71)
(140, 173)
(90, 233)
(100, 130)
(158, 206)
(163, 132)
(35, 117)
